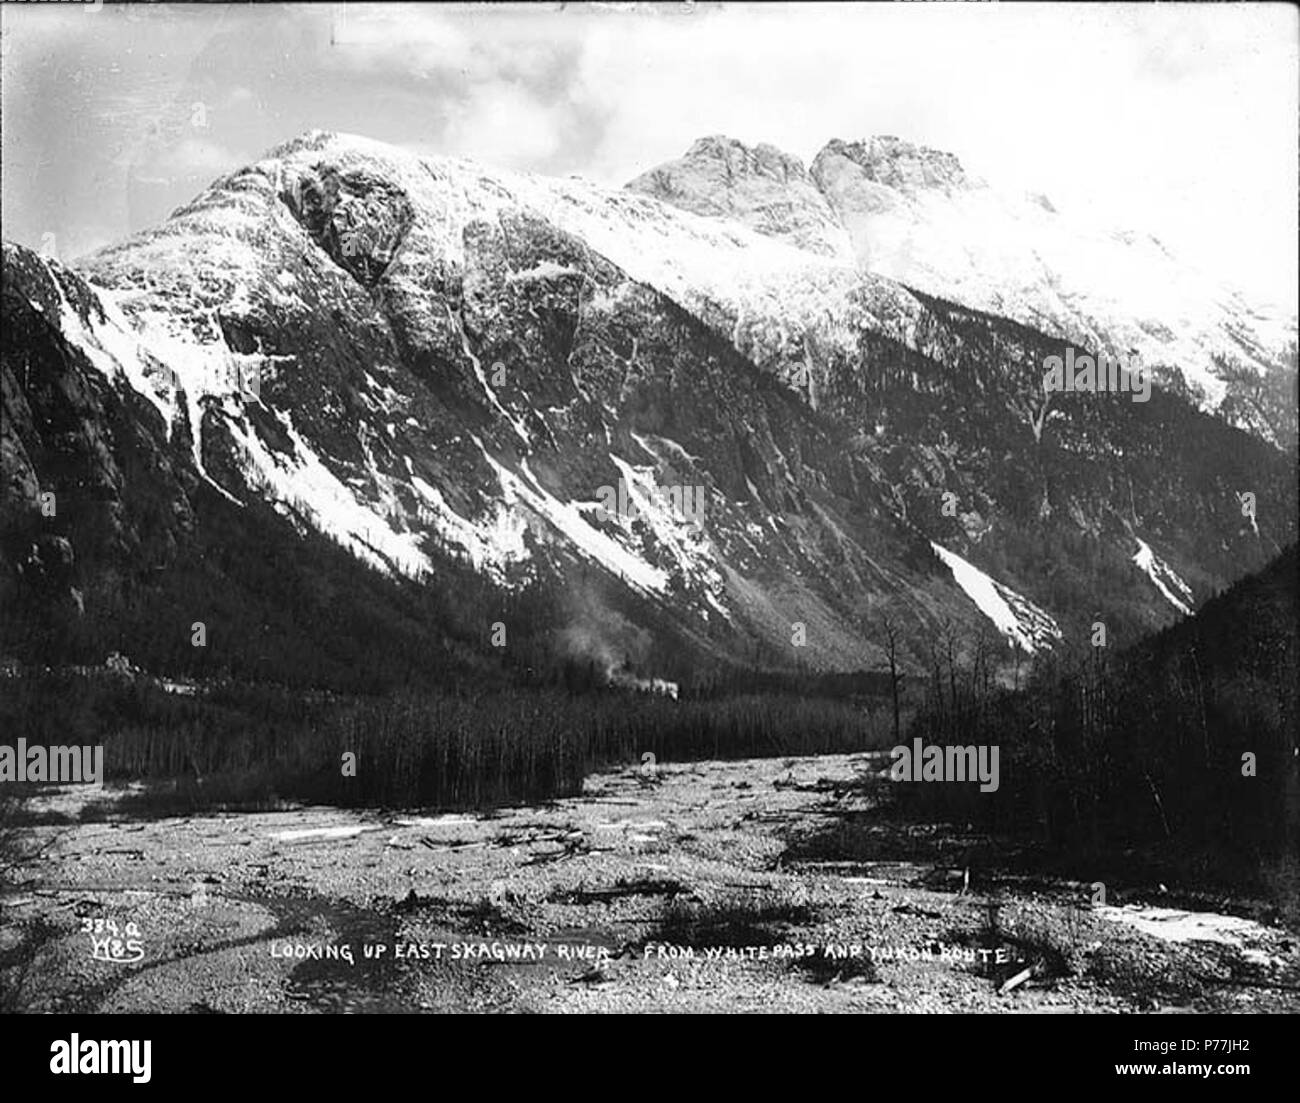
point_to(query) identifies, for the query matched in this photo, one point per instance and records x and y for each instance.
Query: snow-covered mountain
(760, 187)
(916, 216)
(424, 358)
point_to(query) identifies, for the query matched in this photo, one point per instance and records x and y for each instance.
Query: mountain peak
(898, 163)
(761, 186)
(312, 139)
(764, 159)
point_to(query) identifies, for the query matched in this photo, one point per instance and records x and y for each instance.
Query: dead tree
(891, 640)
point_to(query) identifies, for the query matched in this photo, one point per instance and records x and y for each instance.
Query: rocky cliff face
(417, 356)
(761, 187)
(891, 163)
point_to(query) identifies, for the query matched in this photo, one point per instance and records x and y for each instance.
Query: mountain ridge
(451, 357)
(913, 214)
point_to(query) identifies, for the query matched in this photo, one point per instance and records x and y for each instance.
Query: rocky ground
(764, 885)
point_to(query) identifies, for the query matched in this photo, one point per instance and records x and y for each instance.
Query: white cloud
(503, 126)
(195, 157)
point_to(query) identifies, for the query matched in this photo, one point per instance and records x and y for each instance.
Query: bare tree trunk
(950, 649)
(1200, 693)
(891, 635)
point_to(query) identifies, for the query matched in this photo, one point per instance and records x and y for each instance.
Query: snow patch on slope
(1161, 573)
(158, 365)
(305, 483)
(568, 519)
(543, 270)
(684, 539)
(459, 324)
(1022, 622)
(114, 350)
(492, 543)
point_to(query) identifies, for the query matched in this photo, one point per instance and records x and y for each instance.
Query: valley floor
(599, 899)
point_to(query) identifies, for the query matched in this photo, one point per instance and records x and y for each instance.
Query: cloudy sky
(1176, 119)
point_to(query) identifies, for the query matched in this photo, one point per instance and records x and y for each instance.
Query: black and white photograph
(650, 508)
